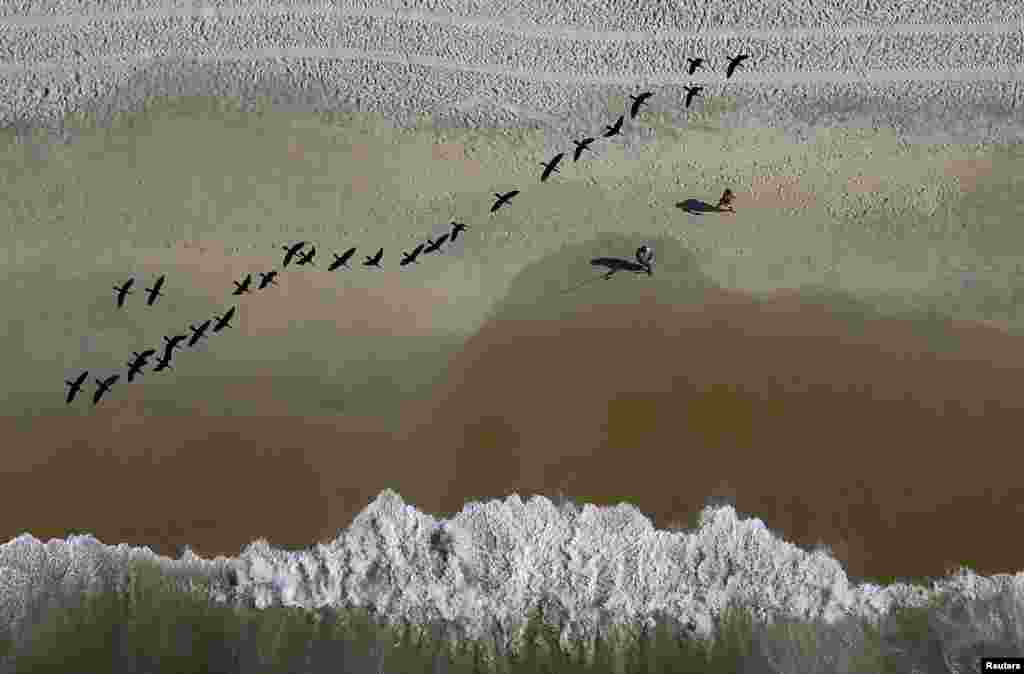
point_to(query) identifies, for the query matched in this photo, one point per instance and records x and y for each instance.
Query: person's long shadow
(698, 207)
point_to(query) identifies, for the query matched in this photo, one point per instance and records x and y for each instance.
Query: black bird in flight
(411, 257)
(615, 129)
(581, 145)
(123, 291)
(694, 64)
(154, 292)
(644, 258)
(342, 260)
(267, 279)
(243, 286)
(103, 385)
(435, 245)
(290, 251)
(503, 199)
(733, 62)
(634, 110)
(198, 333)
(456, 228)
(76, 386)
(549, 167)
(223, 321)
(374, 261)
(307, 257)
(144, 356)
(173, 342)
(163, 362)
(691, 92)
(135, 368)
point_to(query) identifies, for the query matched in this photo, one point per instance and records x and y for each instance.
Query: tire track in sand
(518, 28)
(1011, 73)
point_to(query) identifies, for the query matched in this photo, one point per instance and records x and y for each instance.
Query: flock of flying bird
(141, 359)
(615, 129)
(644, 256)
(293, 252)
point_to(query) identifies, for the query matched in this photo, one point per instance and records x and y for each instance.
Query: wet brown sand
(904, 461)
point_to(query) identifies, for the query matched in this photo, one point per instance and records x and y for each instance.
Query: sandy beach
(840, 357)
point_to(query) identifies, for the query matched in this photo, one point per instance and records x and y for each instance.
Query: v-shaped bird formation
(136, 365)
(296, 253)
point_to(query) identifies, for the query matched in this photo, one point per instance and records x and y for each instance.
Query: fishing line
(581, 284)
(570, 289)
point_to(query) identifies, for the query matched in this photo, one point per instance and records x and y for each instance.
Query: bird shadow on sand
(698, 207)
